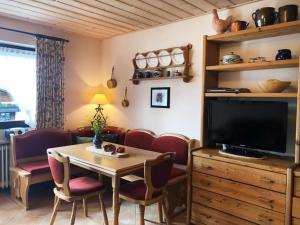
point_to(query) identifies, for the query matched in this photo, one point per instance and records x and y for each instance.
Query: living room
(154, 76)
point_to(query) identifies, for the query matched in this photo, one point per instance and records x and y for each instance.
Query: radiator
(4, 165)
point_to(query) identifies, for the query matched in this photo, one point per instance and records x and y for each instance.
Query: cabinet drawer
(244, 192)
(296, 207)
(204, 215)
(297, 186)
(295, 221)
(243, 174)
(237, 208)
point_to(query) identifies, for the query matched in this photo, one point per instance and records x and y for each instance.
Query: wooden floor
(41, 199)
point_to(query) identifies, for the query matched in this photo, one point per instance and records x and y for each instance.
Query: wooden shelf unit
(233, 191)
(184, 78)
(255, 66)
(258, 33)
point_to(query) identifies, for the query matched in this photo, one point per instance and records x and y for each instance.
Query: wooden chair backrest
(65, 161)
(167, 160)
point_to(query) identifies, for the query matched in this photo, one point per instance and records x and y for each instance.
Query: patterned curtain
(50, 83)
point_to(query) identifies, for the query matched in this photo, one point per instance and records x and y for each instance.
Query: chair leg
(55, 200)
(85, 208)
(160, 213)
(167, 216)
(142, 214)
(103, 209)
(54, 213)
(73, 215)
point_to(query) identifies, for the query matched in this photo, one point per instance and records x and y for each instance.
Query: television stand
(242, 153)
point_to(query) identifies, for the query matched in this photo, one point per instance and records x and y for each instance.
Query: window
(18, 81)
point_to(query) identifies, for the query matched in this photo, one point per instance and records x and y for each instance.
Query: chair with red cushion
(72, 190)
(178, 182)
(139, 138)
(152, 189)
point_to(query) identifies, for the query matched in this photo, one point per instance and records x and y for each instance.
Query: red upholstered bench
(29, 159)
(168, 142)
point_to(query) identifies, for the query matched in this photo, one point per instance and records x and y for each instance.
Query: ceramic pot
(288, 13)
(231, 58)
(264, 16)
(283, 54)
(238, 25)
(97, 141)
(147, 74)
(138, 75)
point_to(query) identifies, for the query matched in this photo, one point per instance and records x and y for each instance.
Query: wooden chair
(72, 190)
(152, 189)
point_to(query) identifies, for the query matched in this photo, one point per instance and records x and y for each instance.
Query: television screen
(248, 124)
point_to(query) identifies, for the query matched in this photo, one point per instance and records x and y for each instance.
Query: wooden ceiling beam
(134, 10)
(50, 14)
(126, 16)
(151, 9)
(204, 5)
(187, 7)
(221, 3)
(56, 21)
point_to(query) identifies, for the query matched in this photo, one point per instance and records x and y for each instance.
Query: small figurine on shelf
(219, 25)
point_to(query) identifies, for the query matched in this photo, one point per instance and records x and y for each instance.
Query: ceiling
(107, 18)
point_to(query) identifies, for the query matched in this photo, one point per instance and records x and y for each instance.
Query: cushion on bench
(139, 139)
(41, 166)
(36, 142)
(175, 144)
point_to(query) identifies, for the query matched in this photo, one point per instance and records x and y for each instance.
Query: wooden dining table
(107, 165)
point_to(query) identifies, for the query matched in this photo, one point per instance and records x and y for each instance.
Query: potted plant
(98, 126)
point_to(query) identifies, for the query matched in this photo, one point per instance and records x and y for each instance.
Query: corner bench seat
(29, 164)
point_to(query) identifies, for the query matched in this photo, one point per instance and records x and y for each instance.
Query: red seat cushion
(136, 190)
(36, 167)
(84, 185)
(175, 172)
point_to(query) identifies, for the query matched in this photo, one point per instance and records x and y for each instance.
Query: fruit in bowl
(120, 150)
(273, 85)
(109, 148)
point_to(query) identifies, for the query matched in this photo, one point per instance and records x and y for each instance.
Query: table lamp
(99, 99)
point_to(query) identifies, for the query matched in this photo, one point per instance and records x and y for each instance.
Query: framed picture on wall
(160, 97)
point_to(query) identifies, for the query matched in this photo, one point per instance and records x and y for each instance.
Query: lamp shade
(99, 99)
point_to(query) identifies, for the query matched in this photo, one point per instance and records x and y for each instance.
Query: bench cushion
(175, 144)
(36, 167)
(36, 142)
(175, 172)
(136, 190)
(139, 139)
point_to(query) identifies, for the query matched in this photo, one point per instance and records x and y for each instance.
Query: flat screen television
(243, 127)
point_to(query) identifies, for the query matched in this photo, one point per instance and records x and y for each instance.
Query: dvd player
(228, 90)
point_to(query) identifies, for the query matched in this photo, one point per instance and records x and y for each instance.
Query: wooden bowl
(273, 85)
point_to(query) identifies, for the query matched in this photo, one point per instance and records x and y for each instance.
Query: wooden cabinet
(296, 198)
(238, 191)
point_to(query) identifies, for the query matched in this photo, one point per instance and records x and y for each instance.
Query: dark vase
(284, 54)
(288, 13)
(264, 16)
(97, 140)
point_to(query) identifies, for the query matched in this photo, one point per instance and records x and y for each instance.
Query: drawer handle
(207, 167)
(265, 200)
(267, 180)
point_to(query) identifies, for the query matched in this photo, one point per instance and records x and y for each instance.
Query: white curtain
(18, 77)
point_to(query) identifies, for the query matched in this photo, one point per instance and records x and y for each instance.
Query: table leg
(115, 186)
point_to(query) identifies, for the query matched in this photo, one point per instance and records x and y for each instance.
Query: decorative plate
(177, 56)
(140, 61)
(152, 59)
(164, 58)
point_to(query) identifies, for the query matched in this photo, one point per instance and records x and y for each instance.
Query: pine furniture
(73, 190)
(228, 190)
(107, 166)
(29, 164)
(152, 189)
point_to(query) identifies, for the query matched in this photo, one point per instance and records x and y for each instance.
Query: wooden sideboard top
(274, 164)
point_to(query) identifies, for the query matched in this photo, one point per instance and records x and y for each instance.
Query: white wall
(82, 67)
(184, 114)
